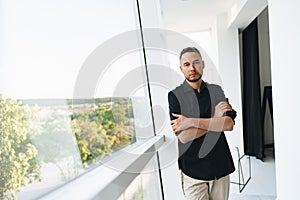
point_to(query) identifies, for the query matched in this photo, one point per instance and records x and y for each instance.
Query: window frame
(93, 185)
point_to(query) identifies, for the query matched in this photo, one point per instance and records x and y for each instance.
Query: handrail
(109, 180)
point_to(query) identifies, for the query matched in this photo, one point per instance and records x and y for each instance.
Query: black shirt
(207, 157)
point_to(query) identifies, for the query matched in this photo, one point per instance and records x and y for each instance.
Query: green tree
(102, 130)
(93, 143)
(18, 166)
(118, 127)
(54, 139)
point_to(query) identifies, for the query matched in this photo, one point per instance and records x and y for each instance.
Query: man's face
(192, 66)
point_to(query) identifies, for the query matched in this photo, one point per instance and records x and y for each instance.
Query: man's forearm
(213, 124)
(191, 134)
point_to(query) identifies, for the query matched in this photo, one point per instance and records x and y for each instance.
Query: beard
(194, 80)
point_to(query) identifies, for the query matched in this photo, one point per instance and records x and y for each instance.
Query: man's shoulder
(213, 85)
(176, 93)
(216, 93)
(177, 89)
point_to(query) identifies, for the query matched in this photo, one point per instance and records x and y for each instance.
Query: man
(199, 116)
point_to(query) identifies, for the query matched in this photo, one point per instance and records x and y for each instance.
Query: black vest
(207, 157)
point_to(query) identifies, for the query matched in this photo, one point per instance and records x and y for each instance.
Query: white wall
(227, 45)
(285, 48)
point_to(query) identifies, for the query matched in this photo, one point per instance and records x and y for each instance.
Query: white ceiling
(192, 15)
(199, 15)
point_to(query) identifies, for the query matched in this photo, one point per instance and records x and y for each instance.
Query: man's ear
(203, 64)
(180, 68)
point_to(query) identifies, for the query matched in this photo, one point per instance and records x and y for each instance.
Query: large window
(142, 186)
(69, 98)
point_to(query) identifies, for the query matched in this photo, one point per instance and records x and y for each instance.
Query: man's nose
(192, 67)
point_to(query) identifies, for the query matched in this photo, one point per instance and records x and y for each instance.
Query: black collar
(188, 88)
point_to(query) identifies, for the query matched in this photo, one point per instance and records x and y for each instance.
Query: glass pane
(50, 132)
(145, 186)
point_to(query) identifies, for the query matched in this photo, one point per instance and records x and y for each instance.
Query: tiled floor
(262, 185)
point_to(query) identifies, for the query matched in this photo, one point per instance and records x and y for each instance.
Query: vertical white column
(285, 48)
(227, 46)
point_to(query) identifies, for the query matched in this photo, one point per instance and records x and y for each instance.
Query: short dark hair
(189, 49)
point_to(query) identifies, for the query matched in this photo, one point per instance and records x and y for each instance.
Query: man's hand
(221, 108)
(181, 123)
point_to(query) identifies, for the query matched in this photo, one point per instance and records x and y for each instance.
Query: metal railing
(241, 181)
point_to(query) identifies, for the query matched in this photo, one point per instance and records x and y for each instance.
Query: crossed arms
(192, 128)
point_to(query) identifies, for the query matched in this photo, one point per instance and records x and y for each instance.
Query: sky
(44, 43)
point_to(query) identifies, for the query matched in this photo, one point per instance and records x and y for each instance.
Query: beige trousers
(194, 189)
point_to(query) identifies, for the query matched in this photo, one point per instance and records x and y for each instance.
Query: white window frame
(105, 181)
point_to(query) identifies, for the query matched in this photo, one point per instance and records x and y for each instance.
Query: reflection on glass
(46, 136)
(102, 126)
(145, 186)
(47, 142)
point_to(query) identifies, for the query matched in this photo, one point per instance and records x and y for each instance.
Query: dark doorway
(252, 114)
